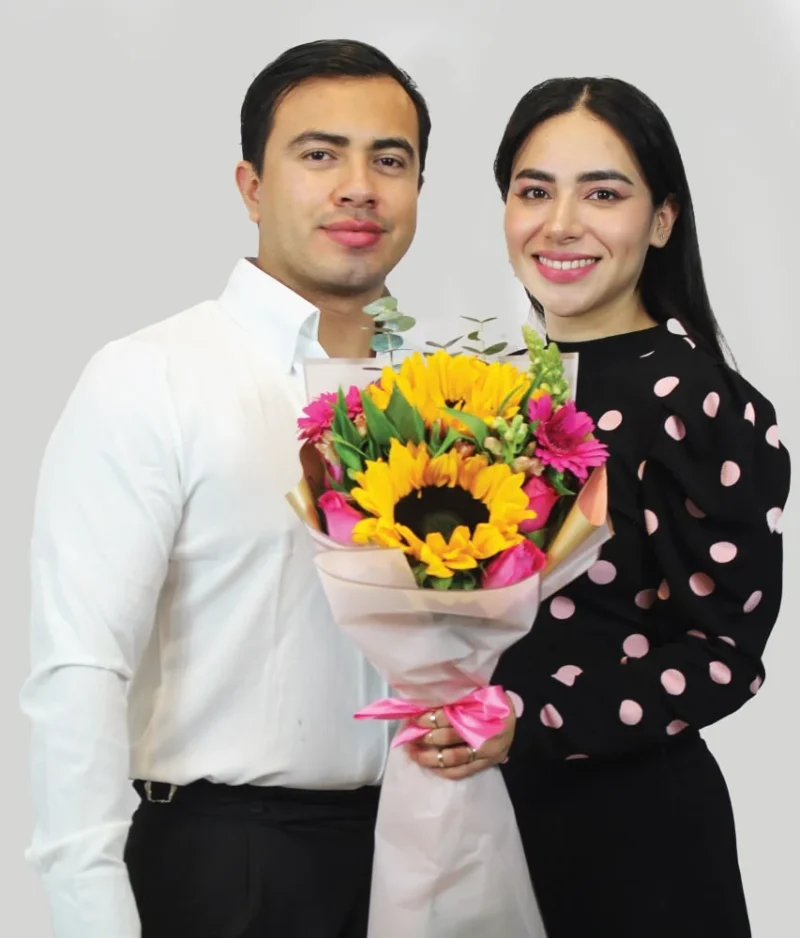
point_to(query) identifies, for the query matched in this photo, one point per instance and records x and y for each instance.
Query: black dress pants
(248, 862)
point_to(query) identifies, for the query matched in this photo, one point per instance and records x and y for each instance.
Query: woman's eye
(604, 195)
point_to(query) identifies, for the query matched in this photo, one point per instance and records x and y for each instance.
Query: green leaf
(378, 426)
(484, 321)
(452, 437)
(342, 425)
(475, 425)
(538, 537)
(452, 342)
(469, 348)
(494, 349)
(386, 304)
(506, 399)
(404, 323)
(390, 316)
(436, 344)
(473, 336)
(440, 583)
(471, 319)
(385, 342)
(405, 418)
(557, 481)
(350, 456)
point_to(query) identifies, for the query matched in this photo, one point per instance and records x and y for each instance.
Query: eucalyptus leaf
(452, 342)
(389, 315)
(471, 319)
(404, 323)
(385, 342)
(436, 344)
(494, 349)
(383, 305)
(473, 336)
(469, 348)
(484, 321)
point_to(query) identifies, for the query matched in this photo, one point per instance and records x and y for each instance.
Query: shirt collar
(281, 320)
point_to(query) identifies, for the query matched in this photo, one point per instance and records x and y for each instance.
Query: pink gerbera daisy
(563, 438)
(319, 414)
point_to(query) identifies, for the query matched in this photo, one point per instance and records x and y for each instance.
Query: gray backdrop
(120, 132)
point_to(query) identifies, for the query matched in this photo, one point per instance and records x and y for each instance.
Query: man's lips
(354, 234)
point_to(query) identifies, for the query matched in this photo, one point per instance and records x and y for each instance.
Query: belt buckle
(148, 790)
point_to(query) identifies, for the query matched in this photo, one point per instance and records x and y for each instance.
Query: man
(180, 636)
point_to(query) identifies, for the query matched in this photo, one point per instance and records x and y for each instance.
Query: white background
(117, 208)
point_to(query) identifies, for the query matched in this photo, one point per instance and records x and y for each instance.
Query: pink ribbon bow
(476, 718)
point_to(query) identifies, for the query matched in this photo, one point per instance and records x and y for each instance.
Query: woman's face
(579, 221)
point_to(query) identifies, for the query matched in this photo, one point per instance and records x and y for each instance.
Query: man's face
(336, 203)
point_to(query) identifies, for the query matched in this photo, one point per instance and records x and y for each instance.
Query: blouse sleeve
(713, 489)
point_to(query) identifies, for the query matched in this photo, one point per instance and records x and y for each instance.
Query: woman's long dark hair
(672, 283)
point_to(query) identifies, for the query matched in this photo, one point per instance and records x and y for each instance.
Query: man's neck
(345, 330)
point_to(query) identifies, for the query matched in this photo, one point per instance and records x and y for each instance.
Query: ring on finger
(440, 758)
(432, 718)
(473, 754)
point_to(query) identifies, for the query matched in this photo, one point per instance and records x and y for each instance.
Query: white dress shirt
(179, 630)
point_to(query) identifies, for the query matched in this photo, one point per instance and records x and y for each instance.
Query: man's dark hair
(325, 58)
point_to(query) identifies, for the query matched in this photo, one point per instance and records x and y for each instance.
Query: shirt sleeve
(713, 489)
(107, 508)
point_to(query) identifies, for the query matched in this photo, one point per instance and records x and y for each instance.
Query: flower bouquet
(448, 497)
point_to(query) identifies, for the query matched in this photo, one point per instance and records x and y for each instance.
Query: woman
(624, 813)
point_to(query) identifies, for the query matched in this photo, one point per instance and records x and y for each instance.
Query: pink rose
(513, 565)
(541, 497)
(340, 516)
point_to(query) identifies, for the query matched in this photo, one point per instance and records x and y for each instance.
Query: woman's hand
(444, 751)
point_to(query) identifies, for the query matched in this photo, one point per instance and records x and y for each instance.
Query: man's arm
(107, 508)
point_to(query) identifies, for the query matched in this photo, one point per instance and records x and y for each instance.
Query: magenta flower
(563, 438)
(542, 497)
(513, 565)
(340, 516)
(319, 414)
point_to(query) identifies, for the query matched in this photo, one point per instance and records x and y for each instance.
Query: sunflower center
(444, 509)
(456, 404)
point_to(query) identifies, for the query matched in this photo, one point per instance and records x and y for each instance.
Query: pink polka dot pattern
(675, 327)
(630, 712)
(750, 413)
(602, 573)
(774, 516)
(730, 473)
(693, 510)
(567, 673)
(673, 682)
(711, 404)
(701, 584)
(636, 646)
(723, 552)
(696, 633)
(640, 472)
(645, 598)
(610, 420)
(663, 590)
(675, 427)
(551, 718)
(720, 673)
(755, 686)
(727, 640)
(665, 386)
(677, 726)
(774, 437)
(689, 342)
(647, 354)
(562, 608)
(753, 601)
(650, 521)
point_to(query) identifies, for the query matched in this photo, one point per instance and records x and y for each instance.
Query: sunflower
(448, 512)
(461, 382)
